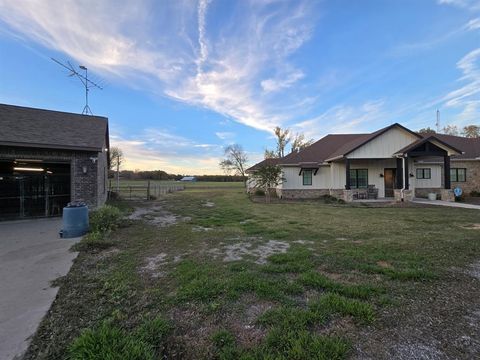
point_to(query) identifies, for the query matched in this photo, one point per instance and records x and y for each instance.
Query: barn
(49, 158)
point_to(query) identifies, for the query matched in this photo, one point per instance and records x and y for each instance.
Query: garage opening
(33, 188)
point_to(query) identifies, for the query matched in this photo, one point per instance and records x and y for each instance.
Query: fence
(143, 192)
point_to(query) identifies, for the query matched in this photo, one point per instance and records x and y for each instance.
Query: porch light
(411, 175)
(381, 175)
(27, 169)
(84, 169)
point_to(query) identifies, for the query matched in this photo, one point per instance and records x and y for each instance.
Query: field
(208, 273)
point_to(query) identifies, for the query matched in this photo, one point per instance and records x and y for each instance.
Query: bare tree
(116, 157)
(116, 160)
(269, 154)
(283, 138)
(427, 131)
(451, 130)
(471, 131)
(268, 177)
(235, 160)
(299, 142)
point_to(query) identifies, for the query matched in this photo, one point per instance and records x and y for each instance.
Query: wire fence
(143, 192)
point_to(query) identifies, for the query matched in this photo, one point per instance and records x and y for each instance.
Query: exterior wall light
(84, 169)
(381, 175)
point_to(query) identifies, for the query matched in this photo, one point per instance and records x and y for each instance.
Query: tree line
(469, 131)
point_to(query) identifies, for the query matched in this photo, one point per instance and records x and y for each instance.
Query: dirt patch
(384, 264)
(156, 215)
(153, 265)
(417, 351)
(303, 242)
(238, 251)
(201, 228)
(208, 204)
(474, 270)
(472, 227)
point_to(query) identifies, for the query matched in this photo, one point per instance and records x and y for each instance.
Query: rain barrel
(74, 220)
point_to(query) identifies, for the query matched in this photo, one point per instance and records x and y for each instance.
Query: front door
(389, 178)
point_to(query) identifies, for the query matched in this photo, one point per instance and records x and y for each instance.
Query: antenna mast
(437, 124)
(87, 83)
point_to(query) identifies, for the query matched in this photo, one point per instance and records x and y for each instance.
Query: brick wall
(473, 176)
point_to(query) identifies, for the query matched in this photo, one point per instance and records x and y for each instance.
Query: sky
(183, 78)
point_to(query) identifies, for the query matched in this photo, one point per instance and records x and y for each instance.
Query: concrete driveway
(31, 255)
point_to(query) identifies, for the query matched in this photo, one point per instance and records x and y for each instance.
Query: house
(393, 162)
(189, 178)
(49, 158)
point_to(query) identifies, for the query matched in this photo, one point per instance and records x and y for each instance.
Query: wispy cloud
(218, 71)
(159, 149)
(344, 119)
(466, 4)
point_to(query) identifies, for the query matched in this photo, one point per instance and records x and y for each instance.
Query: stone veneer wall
(303, 193)
(423, 192)
(83, 187)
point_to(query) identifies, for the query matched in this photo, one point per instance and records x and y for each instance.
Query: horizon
(185, 79)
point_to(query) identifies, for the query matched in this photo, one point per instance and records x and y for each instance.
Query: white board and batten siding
(295, 181)
(375, 170)
(436, 176)
(385, 145)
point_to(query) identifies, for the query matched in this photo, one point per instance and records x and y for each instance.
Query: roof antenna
(87, 83)
(437, 124)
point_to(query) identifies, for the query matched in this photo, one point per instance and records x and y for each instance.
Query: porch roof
(433, 139)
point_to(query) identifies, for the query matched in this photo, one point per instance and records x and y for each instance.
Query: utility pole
(118, 174)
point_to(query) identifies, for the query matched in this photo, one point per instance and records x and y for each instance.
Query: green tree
(267, 177)
(427, 131)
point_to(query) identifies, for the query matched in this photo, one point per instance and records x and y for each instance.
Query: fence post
(148, 190)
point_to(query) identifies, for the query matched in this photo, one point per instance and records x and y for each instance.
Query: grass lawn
(207, 273)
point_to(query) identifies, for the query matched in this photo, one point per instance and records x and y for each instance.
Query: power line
(87, 83)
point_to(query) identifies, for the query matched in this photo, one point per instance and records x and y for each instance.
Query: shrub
(475, 193)
(109, 342)
(92, 241)
(105, 219)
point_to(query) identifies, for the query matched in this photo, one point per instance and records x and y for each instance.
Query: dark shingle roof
(272, 161)
(470, 146)
(336, 146)
(22, 126)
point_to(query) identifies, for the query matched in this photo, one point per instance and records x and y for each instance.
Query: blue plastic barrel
(74, 220)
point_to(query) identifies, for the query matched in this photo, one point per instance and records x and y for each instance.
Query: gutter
(402, 190)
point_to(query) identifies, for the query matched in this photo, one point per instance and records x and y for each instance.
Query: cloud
(344, 119)
(170, 48)
(159, 149)
(473, 24)
(468, 95)
(225, 135)
(272, 85)
(465, 4)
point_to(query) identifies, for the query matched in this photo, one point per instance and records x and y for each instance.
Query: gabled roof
(469, 146)
(365, 138)
(29, 127)
(336, 146)
(428, 138)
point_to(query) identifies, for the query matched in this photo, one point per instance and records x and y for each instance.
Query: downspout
(402, 190)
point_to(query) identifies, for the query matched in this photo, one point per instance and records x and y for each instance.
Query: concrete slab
(31, 256)
(446, 203)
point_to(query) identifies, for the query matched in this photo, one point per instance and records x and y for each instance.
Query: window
(425, 173)
(307, 177)
(358, 178)
(458, 175)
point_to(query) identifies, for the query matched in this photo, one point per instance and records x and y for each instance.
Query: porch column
(399, 176)
(347, 174)
(446, 170)
(407, 175)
